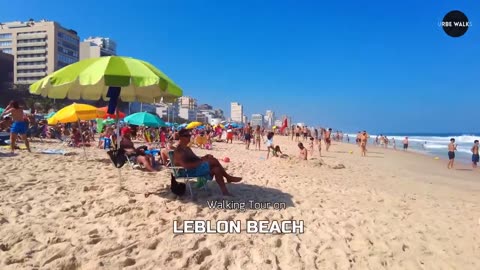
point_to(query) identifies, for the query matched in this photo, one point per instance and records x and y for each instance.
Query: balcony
(31, 67)
(37, 51)
(32, 59)
(31, 36)
(32, 74)
(31, 44)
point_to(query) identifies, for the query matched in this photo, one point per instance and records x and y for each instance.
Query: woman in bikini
(258, 137)
(19, 126)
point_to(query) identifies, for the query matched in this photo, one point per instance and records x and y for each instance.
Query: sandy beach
(390, 210)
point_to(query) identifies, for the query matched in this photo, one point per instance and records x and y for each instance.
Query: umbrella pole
(81, 135)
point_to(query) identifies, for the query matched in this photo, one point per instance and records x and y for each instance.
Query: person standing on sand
(475, 156)
(269, 143)
(19, 125)
(405, 144)
(452, 147)
(328, 140)
(310, 145)
(258, 137)
(393, 144)
(303, 151)
(363, 143)
(357, 140)
(248, 136)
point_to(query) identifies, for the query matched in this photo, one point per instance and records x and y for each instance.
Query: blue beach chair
(181, 172)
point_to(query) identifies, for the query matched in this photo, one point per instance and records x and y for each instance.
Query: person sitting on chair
(139, 153)
(200, 166)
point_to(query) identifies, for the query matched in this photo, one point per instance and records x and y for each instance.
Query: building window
(5, 43)
(7, 50)
(7, 35)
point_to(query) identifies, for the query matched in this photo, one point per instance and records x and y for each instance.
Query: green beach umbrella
(90, 79)
(145, 119)
(49, 115)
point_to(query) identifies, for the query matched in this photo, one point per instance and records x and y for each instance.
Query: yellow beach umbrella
(75, 113)
(194, 125)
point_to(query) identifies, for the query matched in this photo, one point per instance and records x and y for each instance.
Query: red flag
(284, 126)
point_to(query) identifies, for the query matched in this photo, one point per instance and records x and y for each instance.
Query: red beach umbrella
(112, 116)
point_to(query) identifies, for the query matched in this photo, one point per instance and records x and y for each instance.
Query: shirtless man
(201, 166)
(303, 152)
(475, 156)
(19, 126)
(328, 140)
(363, 143)
(248, 135)
(357, 140)
(451, 153)
(405, 144)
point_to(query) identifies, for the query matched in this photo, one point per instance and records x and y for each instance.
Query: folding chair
(181, 172)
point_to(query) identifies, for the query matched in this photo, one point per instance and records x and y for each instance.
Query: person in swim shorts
(452, 147)
(201, 166)
(475, 156)
(248, 135)
(19, 125)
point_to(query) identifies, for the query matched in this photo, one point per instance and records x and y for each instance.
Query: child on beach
(475, 156)
(452, 147)
(310, 145)
(303, 151)
(269, 143)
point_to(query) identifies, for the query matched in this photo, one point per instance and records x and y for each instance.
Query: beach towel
(55, 152)
(20, 147)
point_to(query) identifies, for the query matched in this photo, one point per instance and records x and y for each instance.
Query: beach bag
(176, 187)
(118, 157)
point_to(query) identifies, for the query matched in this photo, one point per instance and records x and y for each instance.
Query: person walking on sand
(303, 151)
(258, 137)
(363, 143)
(452, 147)
(393, 144)
(475, 156)
(328, 140)
(248, 136)
(405, 144)
(19, 125)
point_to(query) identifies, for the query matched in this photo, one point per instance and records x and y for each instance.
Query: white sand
(392, 210)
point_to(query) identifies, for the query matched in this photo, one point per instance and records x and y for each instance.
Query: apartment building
(38, 47)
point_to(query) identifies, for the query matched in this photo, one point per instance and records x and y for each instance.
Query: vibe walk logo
(455, 23)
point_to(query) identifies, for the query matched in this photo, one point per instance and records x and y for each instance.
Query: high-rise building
(257, 120)
(187, 108)
(236, 112)
(269, 118)
(244, 119)
(97, 47)
(39, 48)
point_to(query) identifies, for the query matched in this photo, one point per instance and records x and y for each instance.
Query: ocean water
(433, 144)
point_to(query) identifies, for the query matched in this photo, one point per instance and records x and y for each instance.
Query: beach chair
(181, 172)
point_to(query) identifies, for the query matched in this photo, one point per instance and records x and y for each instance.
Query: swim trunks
(297, 134)
(451, 155)
(19, 128)
(248, 137)
(327, 140)
(475, 158)
(405, 146)
(202, 170)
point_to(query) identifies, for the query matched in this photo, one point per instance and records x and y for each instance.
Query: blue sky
(375, 65)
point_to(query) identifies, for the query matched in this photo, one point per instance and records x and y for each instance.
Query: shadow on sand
(243, 193)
